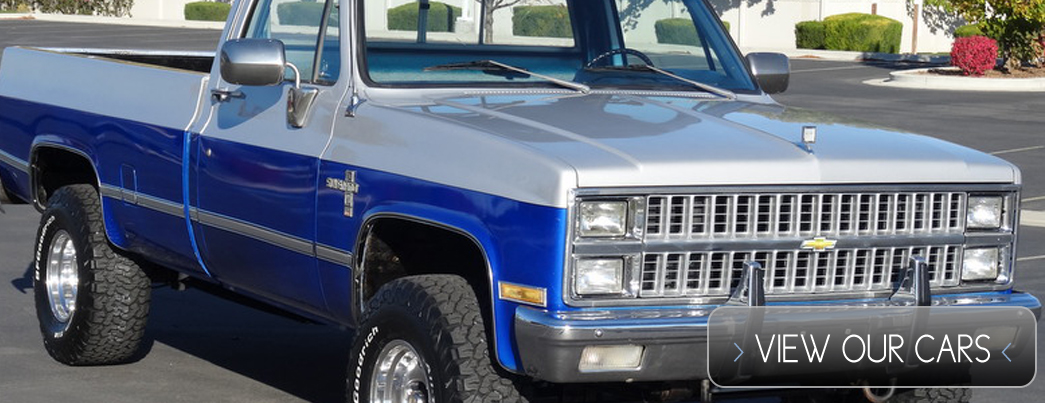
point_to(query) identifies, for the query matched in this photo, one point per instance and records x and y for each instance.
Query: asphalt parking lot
(208, 349)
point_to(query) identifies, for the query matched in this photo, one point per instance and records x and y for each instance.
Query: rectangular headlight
(603, 219)
(984, 212)
(981, 264)
(599, 276)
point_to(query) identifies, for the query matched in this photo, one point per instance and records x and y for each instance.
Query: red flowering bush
(974, 55)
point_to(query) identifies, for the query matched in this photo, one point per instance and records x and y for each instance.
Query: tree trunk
(487, 25)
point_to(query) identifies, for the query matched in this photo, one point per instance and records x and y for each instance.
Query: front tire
(92, 303)
(423, 340)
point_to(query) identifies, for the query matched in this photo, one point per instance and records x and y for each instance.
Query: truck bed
(129, 112)
(181, 60)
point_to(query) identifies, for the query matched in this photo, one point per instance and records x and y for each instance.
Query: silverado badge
(819, 244)
(348, 186)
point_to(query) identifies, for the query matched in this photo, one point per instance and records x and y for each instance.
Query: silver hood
(616, 140)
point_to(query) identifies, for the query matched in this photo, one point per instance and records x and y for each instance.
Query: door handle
(219, 95)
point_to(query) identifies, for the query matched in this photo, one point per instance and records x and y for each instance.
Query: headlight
(984, 212)
(599, 276)
(603, 219)
(980, 264)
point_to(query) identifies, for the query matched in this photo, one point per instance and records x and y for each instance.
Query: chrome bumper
(675, 340)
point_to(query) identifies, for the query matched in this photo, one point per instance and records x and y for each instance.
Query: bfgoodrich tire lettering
(100, 319)
(438, 316)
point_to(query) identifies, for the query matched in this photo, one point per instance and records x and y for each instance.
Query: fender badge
(349, 187)
(819, 244)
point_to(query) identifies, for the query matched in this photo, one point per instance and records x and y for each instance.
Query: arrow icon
(742, 352)
(1002, 352)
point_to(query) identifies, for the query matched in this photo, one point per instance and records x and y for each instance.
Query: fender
(69, 144)
(454, 221)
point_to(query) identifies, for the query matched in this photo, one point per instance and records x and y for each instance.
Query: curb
(93, 19)
(914, 79)
(841, 55)
(1032, 218)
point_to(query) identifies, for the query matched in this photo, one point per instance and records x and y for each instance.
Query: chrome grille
(681, 274)
(673, 217)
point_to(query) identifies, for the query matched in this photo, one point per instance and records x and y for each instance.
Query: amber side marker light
(524, 294)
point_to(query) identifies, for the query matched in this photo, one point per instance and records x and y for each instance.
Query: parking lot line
(1032, 218)
(1016, 150)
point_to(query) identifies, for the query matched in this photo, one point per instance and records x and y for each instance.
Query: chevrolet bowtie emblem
(819, 244)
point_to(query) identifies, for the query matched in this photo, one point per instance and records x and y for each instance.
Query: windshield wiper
(706, 87)
(485, 65)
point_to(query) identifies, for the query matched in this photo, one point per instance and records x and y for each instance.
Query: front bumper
(675, 340)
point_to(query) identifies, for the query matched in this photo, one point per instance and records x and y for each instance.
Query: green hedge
(968, 30)
(440, 19)
(862, 33)
(810, 35)
(545, 21)
(305, 13)
(679, 31)
(206, 11)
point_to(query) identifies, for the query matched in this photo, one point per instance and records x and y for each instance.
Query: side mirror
(772, 70)
(255, 62)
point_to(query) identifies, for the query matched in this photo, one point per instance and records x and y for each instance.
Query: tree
(1017, 25)
(489, 6)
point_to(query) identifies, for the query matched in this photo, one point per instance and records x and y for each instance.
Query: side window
(309, 36)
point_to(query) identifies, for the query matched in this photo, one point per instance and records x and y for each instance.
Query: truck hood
(616, 140)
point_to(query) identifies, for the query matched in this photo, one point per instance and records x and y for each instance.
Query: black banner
(872, 346)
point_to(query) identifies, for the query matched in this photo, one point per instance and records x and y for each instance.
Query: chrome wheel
(63, 278)
(400, 375)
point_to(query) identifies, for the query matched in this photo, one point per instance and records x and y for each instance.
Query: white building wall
(770, 24)
(173, 10)
(754, 24)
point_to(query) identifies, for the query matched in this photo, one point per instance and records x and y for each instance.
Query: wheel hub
(400, 375)
(63, 278)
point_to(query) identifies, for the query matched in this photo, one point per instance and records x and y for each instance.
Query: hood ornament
(808, 138)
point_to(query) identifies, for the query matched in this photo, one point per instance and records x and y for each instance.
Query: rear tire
(92, 303)
(426, 331)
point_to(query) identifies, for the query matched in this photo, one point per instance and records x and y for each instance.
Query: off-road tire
(958, 395)
(439, 317)
(112, 302)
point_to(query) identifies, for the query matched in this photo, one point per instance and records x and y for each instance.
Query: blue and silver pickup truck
(487, 207)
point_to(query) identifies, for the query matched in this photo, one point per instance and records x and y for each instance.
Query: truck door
(256, 172)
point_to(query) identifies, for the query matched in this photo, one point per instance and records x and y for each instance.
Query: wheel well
(57, 167)
(397, 247)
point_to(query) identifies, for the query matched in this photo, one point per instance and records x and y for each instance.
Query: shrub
(308, 13)
(206, 11)
(862, 33)
(115, 8)
(546, 21)
(1015, 24)
(14, 6)
(680, 31)
(974, 55)
(966, 31)
(440, 17)
(810, 35)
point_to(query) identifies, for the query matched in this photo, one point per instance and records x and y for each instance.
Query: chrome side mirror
(771, 70)
(255, 62)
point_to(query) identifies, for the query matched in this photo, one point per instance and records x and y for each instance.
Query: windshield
(588, 42)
